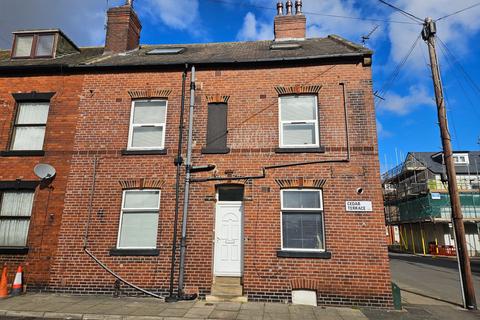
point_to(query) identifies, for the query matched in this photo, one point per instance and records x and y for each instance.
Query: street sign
(358, 206)
(436, 196)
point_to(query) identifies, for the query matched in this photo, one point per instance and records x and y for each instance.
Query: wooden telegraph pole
(428, 35)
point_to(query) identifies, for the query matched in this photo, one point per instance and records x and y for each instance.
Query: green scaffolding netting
(437, 206)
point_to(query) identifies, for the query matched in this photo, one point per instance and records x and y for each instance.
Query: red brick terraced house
(283, 199)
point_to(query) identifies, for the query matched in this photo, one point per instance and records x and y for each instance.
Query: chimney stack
(123, 29)
(289, 26)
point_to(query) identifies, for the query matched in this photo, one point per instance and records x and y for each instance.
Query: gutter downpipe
(178, 162)
(295, 164)
(188, 166)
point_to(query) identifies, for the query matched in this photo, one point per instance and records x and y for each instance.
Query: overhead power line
(238, 4)
(459, 11)
(396, 72)
(457, 75)
(405, 13)
(460, 66)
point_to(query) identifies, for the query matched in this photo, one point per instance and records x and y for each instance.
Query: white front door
(228, 239)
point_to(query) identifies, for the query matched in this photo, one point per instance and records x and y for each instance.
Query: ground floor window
(139, 219)
(15, 213)
(302, 220)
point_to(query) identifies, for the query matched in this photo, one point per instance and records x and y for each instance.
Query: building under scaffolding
(417, 203)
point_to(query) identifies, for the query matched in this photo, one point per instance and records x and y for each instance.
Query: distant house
(417, 203)
(291, 212)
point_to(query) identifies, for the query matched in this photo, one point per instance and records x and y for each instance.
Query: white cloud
(176, 14)
(404, 104)
(382, 133)
(254, 30)
(83, 21)
(321, 26)
(451, 30)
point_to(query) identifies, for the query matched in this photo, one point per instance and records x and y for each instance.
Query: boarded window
(217, 129)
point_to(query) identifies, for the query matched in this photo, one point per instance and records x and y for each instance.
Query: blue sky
(406, 119)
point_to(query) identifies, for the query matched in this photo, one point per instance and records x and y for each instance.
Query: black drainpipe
(178, 163)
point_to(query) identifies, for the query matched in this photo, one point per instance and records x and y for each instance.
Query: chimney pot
(289, 7)
(280, 8)
(298, 7)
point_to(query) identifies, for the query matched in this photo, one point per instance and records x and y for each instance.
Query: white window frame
(302, 210)
(456, 159)
(281, 123)
(149, 210)
(153, 124)
(10, 218)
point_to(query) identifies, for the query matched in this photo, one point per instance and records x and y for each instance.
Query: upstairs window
(298, 121)
(147, 125)
(461, 158)
(15, 212)
(33, 46)
(29, 127)
(302, 220)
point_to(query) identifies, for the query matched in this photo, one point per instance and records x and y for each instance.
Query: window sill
(304, 254)
(134, 252)
(126, 152)
(13, 250)
(300, 150)
(215, 151)
(22, 153)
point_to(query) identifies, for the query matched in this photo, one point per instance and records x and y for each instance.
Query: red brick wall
(290, 27)
(356, 274)
(46, 215)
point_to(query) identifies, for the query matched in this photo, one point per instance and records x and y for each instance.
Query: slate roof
(208, 53)
(434, 164)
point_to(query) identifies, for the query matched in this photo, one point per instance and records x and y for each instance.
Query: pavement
(430, 276)
(55, 306)
(430, 290)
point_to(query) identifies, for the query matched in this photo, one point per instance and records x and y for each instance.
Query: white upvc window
(460, 158)
(29, 126)
(298, 121)
(15, 213)
(302, 220)
(139, 219)
(147, 125)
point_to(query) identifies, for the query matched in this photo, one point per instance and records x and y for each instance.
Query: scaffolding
(413, 193)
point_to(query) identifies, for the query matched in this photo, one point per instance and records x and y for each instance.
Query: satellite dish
(44, 171)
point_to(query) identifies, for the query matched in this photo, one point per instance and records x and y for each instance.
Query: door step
(227, 289)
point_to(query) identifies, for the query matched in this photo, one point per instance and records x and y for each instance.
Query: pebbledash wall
(16, 168)
(357, 273)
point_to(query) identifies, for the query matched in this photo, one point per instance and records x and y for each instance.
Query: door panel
(228, 240)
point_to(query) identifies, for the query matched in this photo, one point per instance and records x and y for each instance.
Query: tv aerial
(365, 38)
(44, 171)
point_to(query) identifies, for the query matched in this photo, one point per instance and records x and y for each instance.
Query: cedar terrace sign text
(360, 206)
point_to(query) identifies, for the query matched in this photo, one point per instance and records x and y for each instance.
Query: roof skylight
(170, 50)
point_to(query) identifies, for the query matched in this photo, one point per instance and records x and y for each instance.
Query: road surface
(431, 276)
